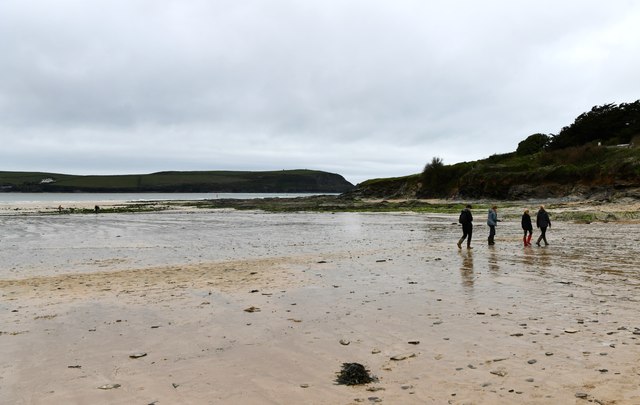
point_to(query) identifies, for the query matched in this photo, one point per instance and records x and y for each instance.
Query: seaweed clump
(354, 374)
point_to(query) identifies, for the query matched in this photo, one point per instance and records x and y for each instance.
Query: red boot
(529, 239)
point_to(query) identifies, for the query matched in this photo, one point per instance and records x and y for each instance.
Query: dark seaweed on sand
(354, 374)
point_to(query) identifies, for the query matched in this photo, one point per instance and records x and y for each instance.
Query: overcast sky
(363, 88)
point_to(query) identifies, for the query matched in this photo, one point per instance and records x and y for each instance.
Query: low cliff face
(399, 187)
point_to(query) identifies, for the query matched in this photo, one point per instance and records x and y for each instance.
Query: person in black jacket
(542, 222)
(527, 227)
(466, 219)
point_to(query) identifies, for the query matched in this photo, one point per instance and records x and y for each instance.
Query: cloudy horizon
(365, 89)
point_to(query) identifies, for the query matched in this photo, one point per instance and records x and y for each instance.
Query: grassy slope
(509, 176)
(586, 167)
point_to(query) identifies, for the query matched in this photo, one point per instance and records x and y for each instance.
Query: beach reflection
(544, 258)
(466, 269)
(493, 261)
(351, 224)
(529, 257)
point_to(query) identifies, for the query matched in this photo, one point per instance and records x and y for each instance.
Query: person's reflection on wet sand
(493, 262)
(544, 259)
(466, 268)
(528, 258)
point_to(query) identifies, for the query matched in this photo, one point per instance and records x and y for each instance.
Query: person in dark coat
(466, 220)
(527, 227)
(543, 222)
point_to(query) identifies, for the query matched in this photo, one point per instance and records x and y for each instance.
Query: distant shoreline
(584, 211)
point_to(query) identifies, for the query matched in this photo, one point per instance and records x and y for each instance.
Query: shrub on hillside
(439, 180)
(572, 155)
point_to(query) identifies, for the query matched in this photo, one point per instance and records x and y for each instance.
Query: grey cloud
(372, 88)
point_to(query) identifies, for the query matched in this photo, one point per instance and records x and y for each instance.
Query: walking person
(492, 221)
(466, 220)
(542, 222)
(527, 227)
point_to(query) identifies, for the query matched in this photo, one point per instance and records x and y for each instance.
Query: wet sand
(255, 308)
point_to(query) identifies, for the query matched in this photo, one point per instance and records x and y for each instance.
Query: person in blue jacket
(492, 221)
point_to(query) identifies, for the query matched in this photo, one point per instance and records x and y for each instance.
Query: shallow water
(66, 198)
(51, 244)
(40, 245)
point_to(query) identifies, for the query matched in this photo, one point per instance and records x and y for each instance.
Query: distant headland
(282, 181)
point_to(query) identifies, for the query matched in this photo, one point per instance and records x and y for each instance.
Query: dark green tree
(533, 144)
(609, 123)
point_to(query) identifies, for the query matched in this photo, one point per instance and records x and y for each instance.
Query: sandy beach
(247, 307)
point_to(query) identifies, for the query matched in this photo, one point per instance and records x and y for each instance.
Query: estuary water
(65, 198)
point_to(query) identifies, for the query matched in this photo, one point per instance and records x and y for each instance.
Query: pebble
(581, 395)
(499, 372)
(109, 386)
(532, 361)
(400, 357)
(345, 342)
(529, 380)
(570, 331)
(137, 355)
(304, 385)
